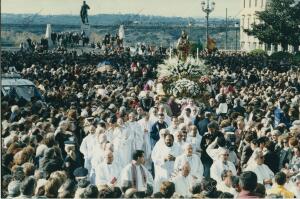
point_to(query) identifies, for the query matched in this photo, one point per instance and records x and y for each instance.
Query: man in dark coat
(202, 124)
(156, 127)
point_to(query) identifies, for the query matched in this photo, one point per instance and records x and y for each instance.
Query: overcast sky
(183, 8)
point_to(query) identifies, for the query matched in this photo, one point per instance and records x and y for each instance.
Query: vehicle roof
(14, 80)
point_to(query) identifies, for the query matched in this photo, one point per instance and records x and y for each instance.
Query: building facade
(248, 17)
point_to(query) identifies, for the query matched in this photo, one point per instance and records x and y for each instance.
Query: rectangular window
(249, 3)
(248, 22)
(255, 3)
(262, 3)
(244, 3)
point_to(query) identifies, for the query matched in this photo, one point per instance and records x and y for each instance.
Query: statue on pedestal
(183, 46)
(84, 13)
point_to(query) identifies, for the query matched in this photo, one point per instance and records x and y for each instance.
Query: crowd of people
(108, 134)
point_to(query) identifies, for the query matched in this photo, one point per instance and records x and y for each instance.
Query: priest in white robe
(184, 181)
(186, 114)
(108, 172)
(146, 124)
(135, 175)
(226, 184)
(97, 155)
(87, 147)
(174, 125)
(263, 172)
(220, 165)
(179, 139)
(193, 160)
(194, 138)
(123, 142)
(214, 153)
(137, 130)
(164, 160)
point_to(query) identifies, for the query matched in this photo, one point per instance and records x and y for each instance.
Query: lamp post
(236, 25)
(207, 8)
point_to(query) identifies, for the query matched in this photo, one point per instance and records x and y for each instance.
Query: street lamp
(236, 25)
(207, 8)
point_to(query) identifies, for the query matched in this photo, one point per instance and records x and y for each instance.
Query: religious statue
(83, 13)
(183, 46)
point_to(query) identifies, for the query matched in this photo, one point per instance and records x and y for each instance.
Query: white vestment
(172, 129)
(110, 134)
(97, 158)
(195, 142)
(262, 171)
(218, 167)
(221, 186)
(163, 169)
(126, 176)
(183, 185)
(87, 149)
(123, 144)
(251, 160)
(194, 162)
(138, 131)
(215, 153)
(107, 173)
(146, 125)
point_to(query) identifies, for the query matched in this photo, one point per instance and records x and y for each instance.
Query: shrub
(258, 52)
(280, 56)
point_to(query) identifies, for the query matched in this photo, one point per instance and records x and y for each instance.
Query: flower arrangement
(176, 68)
(184, 87)
(184, 78)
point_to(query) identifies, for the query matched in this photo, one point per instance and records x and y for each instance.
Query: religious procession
(148, 123)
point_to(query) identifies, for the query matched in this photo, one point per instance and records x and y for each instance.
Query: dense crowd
(106, 133)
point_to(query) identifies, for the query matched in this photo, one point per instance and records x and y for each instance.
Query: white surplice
(126, 176)
(194, 162)
(183, 185)
(97, 158)
(87, 149)
(218, 167)
(173, 129)
(262, 171)
(195, 142)
(146, 125)
(123, 144)
(107, 173)
(163, 169)
(221, 186)
(138, 132)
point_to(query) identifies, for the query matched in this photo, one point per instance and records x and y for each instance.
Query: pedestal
(86, 28)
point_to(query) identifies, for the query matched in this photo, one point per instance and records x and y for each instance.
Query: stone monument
(48, 35)
(85, 27)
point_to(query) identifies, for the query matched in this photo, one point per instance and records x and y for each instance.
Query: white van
(12, 84)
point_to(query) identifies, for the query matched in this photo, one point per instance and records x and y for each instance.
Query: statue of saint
(83, 13)
(183, 46)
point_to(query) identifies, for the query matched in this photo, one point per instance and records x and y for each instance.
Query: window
(255, 3)
(249, 3)
(248, 23)
(243, 21)
(262, 3)
(244, 3)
